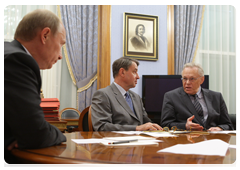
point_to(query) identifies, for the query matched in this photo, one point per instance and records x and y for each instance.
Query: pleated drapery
(81, 49)
(217, 51)
(187, 23)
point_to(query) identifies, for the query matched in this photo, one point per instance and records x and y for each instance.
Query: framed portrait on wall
(140, 36)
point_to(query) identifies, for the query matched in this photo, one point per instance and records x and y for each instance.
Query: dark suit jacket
(23, 117)
(110, 111)
(140, 43)
(177, 108)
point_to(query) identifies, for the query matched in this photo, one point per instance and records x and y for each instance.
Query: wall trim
(104, 46)
(170, 38)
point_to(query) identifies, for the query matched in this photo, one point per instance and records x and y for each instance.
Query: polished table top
(70, 152)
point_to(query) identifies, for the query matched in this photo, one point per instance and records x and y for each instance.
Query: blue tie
(129, 102)
(198, 107)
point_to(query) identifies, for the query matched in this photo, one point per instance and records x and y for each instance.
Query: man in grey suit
(192, 107)
(110, 110)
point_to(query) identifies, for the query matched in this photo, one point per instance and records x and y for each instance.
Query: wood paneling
(170, 38)
(104, 46)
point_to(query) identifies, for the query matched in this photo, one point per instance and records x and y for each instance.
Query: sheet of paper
(159, 134)
(88, 141)
(149, 133)
(209, 147)
(113, 139)
(139, 142)
(128, 132)
(128, 138)
(233, 146)
(179, 132)
(224, 131)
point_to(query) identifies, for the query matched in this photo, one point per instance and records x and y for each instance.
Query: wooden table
(70, 152)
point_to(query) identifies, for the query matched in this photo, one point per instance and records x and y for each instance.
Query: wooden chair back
(69, 113)
(71, 116)
(85, 120)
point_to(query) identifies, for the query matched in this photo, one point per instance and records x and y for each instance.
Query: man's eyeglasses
(174, 128)
(190, 79)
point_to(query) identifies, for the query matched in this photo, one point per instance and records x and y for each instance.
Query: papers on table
(158, 134)
(179, 132)
(87, 141)
(128, 132)
(140, 140)
(149, 133)
(209, 147)
(128, 138)
(232, 146)
(171, 132)
(224, 131)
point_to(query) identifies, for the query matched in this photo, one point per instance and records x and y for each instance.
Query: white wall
(158, 67)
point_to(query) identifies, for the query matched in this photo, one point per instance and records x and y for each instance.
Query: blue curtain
(81, 49)
(187, 23)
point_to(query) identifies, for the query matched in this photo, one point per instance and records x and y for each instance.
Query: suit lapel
(122, 101)
(135, 106)
(18, 44)
(208, 100)
(188, 103)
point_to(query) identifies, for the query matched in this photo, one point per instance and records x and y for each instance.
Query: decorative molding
(104, 46)
(170, 38)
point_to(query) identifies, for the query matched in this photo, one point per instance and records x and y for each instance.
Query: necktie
(198, 107)
(129, 102)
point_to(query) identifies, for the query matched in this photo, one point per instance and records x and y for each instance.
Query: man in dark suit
(192, 107)
(37, 45)
(110, 110)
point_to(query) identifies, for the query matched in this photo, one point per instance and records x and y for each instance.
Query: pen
(124, 141)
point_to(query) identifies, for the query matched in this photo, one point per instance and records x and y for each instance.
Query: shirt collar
(122, 91)
(26, 50)
(199, 93)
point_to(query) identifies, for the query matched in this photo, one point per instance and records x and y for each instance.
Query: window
(217, 51)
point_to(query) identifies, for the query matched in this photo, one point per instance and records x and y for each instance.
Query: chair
(233, 120)
(71, 115)
(85, 120)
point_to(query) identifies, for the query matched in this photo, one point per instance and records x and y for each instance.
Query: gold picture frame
(140, 36)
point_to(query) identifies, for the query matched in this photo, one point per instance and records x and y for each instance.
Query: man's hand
(193, 126)
(12, 145)
(214, 129)
(148, 126)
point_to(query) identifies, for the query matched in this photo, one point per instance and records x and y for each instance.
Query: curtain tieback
(86, 83)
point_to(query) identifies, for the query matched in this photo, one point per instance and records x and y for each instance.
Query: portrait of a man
(140, 36)
(139, 41)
